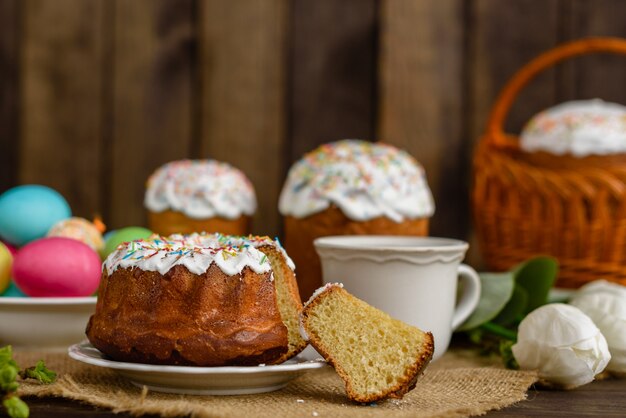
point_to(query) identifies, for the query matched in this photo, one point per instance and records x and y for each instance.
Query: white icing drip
(197, 252)
(200, 189)
(321, 290)
(579, 128)
(315, 294)
(303, 333)
(364, 180)
(257, 241)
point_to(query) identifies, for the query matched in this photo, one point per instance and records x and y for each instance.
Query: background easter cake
(351, 187)
(199, 196)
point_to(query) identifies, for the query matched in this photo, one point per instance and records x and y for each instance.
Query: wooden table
(599, 399)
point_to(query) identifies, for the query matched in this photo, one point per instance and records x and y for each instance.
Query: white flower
(603, 286)
(607, 309)
(563, 344)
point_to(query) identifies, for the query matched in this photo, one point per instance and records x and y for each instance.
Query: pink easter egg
(57, 267)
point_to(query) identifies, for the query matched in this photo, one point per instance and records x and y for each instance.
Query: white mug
(413, 279)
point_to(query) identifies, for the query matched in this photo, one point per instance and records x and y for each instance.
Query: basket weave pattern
(575, 212)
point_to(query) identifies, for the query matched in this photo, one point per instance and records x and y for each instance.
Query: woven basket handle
(495, 126)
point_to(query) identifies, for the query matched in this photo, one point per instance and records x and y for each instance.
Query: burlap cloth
(459, 384)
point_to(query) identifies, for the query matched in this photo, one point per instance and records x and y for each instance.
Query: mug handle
(470, 297)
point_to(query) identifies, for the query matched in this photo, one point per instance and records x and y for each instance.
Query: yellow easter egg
(6, 261)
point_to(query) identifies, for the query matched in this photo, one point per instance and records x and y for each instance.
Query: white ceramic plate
(50, 323)
(229, 380)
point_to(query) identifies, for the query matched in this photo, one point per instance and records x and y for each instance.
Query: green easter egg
(130, 233)
(13, 291)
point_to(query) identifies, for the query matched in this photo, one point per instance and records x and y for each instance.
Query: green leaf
(475, 335)
(497, 289)
(6, 354)
(499, 331)
(16, 408)
(515, 307)
(39, 372)
(506, 353)
(536, 276)
(6, 357)
(7, 379)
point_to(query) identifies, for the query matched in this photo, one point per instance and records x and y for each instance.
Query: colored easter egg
(13, 291)
(11, 248)
(28, 212)
(109, 234)
(79, 229)
(6, 261)
(57, 267)
(130, 233)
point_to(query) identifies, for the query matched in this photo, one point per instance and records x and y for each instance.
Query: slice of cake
(377, 356)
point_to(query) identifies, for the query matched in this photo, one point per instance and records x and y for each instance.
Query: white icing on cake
(365, 180)
(197, 252)
(315, 294)
(256, 241)
(578, 128)
(200, 189)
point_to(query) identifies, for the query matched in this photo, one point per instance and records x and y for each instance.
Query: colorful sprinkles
(197, 252)
(364, 179)
(200, 189)
(579, 128)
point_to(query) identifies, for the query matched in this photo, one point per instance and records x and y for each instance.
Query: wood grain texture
(9, 93)
(421, 96)
(60, 120)
(333, 72)
(151, 100)
(502, 37)
(599, 75)
(505, 36)
(242, 57)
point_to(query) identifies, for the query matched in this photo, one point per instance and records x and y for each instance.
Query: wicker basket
(531, 204)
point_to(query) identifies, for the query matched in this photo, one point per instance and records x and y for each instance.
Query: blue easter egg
(108, 234)
(28, 212)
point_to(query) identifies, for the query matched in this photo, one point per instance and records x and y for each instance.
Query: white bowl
(44, 323)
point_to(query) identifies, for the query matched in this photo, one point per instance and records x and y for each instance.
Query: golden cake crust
(182, 318)
(171, 222)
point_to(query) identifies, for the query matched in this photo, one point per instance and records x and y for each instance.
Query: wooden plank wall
(9, 105)
(96, 94)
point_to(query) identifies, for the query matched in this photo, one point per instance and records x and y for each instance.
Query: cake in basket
(189, 196)
(351, 187)
(377, 356)
(199, 300)
(560, 136)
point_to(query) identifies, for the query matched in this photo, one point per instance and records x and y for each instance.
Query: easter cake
(560, 136)
(377, 356)
(199, 300)
(189, 196)
(351, 187)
